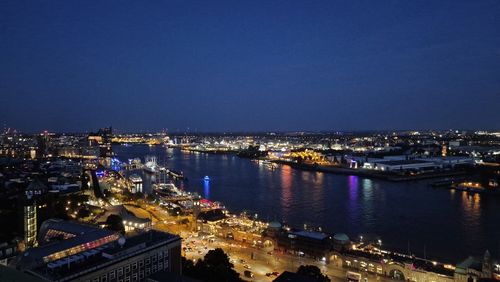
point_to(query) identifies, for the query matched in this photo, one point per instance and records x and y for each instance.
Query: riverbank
(340, 202)
(369, 173)
(343, 170)
(215, 152)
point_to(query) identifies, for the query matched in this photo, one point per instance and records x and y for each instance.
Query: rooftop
(125, 214)
(404, 162)
(311, 234)
(59, 236)
(12, 274)
(76, 228)
(92, 260)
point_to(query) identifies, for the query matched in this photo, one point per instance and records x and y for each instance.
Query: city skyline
(283, 140)
(225, 66)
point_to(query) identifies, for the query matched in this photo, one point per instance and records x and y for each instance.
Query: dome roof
(341, 237)
(274, 224)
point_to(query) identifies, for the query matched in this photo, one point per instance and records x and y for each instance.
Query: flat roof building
(395, 165)
(303, 242)
(71, 251)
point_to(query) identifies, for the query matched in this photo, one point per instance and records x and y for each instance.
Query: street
(244, 257)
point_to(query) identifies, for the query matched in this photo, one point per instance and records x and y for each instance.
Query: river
(442, 224)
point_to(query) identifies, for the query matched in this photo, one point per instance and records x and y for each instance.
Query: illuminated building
(136, 183)
(302, 242)
(130, 221)
(30, 224)
(43, 141)
(473, 269)
(400, 165)
(72, 251)
(444, 151)
(103, 139)
(28, 211)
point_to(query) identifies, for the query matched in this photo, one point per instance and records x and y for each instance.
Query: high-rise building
(27, 220)
(43, 141)
(30, 224)
(105, 146)
(444, 150)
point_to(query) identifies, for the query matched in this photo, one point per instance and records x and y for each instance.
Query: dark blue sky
(249, 65)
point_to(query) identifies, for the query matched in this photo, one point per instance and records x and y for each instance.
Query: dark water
(449, 225)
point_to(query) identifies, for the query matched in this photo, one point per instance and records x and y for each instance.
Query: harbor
(330, 251)
(337, 203)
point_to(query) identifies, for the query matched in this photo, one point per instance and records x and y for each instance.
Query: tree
(115, 222)
(188, 267)
(214, 267)
(312, 271)
(83, 212)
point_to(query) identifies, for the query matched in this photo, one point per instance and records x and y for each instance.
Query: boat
(150, 164)
(470, 187)
(170, 187)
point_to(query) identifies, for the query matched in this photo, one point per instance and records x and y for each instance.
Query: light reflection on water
(353, 207)
(286, 187)
(206, 189)
(450, 224)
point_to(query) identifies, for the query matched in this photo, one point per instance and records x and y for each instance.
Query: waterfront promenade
(348, 204)
(261, 261)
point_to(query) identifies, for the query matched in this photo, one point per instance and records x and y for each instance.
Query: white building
(395, 165)
(136, 183)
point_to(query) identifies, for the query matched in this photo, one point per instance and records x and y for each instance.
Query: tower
(196, 211)
(29, 220)
(487, 265)
(105, 146)
(444, 150)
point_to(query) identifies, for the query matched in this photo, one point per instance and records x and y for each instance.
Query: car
(247, 266)
(248, 274)
(269, 274)
(276, 273)
(242, 261)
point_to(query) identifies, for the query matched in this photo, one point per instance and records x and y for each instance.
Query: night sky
(249, 65)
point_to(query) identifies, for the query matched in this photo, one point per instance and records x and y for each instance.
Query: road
(259, 261)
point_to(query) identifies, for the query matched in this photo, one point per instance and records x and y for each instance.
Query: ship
(475, 187)
(150, 164)
(179, 175)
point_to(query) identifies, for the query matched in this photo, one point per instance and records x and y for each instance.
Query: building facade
(71, 251)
